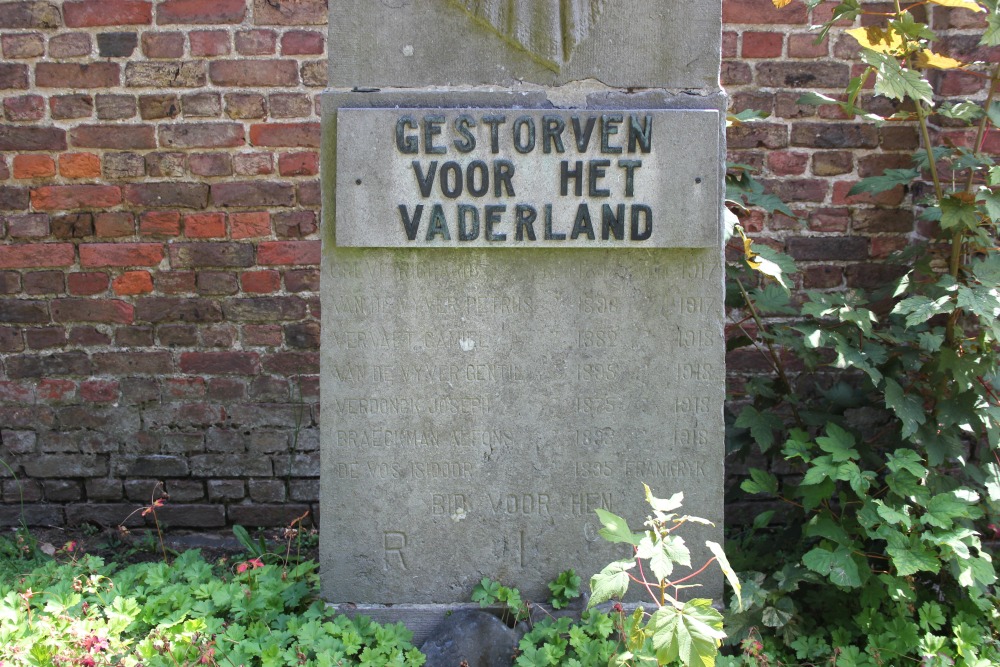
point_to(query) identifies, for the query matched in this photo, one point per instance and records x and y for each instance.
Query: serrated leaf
(762, 425)
(887, 181)
(691, 633)
(991, 36)
(956, 211)
(616, 528)
(918, 309)
(670, 551)
(611, 582)
(760, 482)
(663, 505)
(837, 565)
(895, 82)
(909, 408)
(877, 39)
(912, 558)
(839, 443)
(990, 201)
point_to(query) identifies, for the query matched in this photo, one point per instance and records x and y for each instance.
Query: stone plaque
(504, 177)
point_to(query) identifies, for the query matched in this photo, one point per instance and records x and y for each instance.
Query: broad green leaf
(919, 308)
(762, 425)
(839, 443)
(909, 408)
(611, 582)
(979, 569)
(893, 515)
(727, 570)
(691, 633)
(990, 202)
(955, 212)
(760, 482)
(913, 558)
(838, 565)
(991, 36)
(887, 181)
(895, 82)
(616, 528)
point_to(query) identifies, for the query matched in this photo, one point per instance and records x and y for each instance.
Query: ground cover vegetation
(874, 441)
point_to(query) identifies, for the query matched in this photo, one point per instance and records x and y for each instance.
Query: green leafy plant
(489, 592)
(564, 589)
(884, 437)
(688, 632)
(591, 642)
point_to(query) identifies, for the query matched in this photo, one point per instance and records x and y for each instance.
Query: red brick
(835, 135)
(33, 166)
(77, 75)
(302, 43)
(220, 363)
(271, 253)
(24, 107)
(15, 392)
(73, 225)
(13, 76)
(829, 220)
(65, 197)
(290, 12)
(28, 14)
(260, 282)
(253, 73)
(13, 199)
(256, 42)
(113, 224)
(17, 138)
(91, 13)
(205, 225)
(803, 74)
(92, 310)
(131, 283)
(294, 224)
(762, 12)
(160, 223)
(29, 225)
(822, 277)
(202, 135)
(298, 164)
(268, 335)
(69, 45)
(832, 163)
(805, 46)
(161, 195)
(116, 137)
(290, 105)
(163, 44)
(79, 165)
(87, 283)
(297, 135)
(175, 282)
(249, 224)
(891, 197)
(99, 391)
(208, 43)
(309, 193)
(120, 254)
(189, 12)
(762, 44)
(22, 45)
(786, 163)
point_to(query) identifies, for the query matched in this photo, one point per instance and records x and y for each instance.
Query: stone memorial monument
(521, 289)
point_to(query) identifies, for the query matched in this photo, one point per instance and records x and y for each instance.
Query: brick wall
(159, 257)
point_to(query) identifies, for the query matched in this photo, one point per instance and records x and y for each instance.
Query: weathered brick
(160, 223)
(302, 335)
(11, 339)
(291, 363)
(253, 73)
(835, 135)
(294, 224)
(93, 13)
(264, 309)
(253, 164)
(116, 44)
(823, 277)
(803, 74)
(290, 12)
(92, 310)
(209, 43)
(302, 280)
(153, 107)
(107, 515)
(25, 15)
(267, 490)
(260, 282)
(220, 363)
(272, 253)
(163, 44)
(158, 466)
(112, 224)
(23, 311)
(47, 366)
(69, 45)
(76, 75)
(158, 195)
(249, 224)
(185, 490)
(202, 105)
(195, 255)
(139, 336)
(309, 193)
(217, 283)
(193, 516)
(13, 198)
(229, 465)
(871, 276)
(175, 74)
(813, 248)
(22, 45)
(290, 105)
(256, 42)
(87, 283)
(55, 197)
(88, 336)
(205, 225)
(265, 515)
(73, 226)
(15, 515)
(32, 255)
(177, 309)
(246, 105)
(832, 163)
(314, 73)
(210, 164)
(883, 220)
(120, 254)
(116, 137)
(13, 76)
(115, 107)
(151, 362)
(24, 107)
(762, 12)
(266, 335)
(165, 165)
(202, 135)
(255, 194)
(268, 388)
(226, 489)
(18, 138)
(71, 106)
(175, 282)
(187, 12)
(99, 391)
(176, 335)
(10, 283)
(43, 282)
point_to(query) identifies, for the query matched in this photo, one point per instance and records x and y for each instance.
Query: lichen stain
(548, 30)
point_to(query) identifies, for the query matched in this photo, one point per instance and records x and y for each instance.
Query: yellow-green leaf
(927, 58)
(877, 39)
(962, 4)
